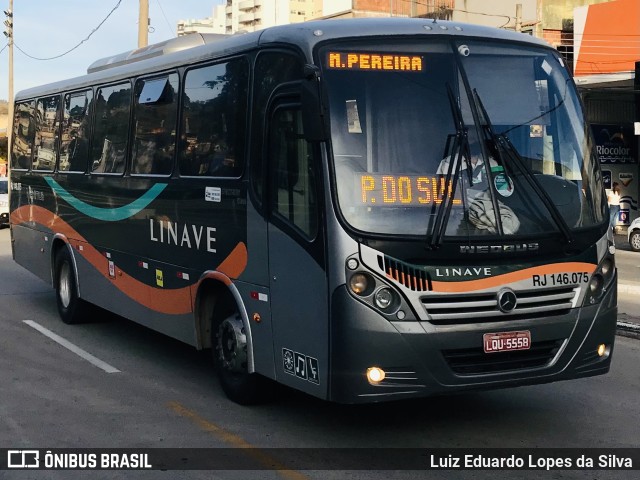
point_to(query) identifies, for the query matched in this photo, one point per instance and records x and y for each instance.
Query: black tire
(238, 384)
(634, 241)
(72, 309)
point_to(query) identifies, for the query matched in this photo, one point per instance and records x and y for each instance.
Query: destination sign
(375, 61)
(403, 190)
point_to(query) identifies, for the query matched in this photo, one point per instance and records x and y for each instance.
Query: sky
(47, 28)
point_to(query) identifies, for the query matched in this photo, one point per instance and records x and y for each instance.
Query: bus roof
(189, 50)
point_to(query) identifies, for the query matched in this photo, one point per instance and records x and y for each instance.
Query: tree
(3, 149)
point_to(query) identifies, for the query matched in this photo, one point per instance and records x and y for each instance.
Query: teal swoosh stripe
(108, 214)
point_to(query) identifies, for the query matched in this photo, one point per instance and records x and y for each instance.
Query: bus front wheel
(71, 307)
(230, 358)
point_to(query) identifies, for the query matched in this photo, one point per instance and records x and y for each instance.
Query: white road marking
(70, 346)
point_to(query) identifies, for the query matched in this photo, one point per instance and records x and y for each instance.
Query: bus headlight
(383, 298)
(595, 285)
(601, 280)
(359, 283)
(374, 291)
(607, 267)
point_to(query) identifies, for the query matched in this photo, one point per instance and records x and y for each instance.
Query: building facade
(607, 71)
(213, 24)
(250, 15)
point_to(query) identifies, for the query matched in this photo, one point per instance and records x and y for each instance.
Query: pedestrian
(613, 199)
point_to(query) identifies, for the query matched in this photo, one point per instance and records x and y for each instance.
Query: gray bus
(363, 210)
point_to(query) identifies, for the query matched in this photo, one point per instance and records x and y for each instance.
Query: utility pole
(143, 24)
(9, 34)
(518, 17)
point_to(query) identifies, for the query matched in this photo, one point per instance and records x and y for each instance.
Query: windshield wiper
(459, 149)
(503, 143)
(535, 185)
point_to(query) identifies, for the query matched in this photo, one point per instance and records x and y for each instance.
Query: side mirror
(313, 117)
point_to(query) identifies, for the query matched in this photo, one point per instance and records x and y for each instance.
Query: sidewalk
(628, 285)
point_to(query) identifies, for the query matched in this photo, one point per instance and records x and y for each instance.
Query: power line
(165, 17)
(442, 8)
(81, 42)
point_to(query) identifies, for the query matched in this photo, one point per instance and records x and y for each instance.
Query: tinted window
(74, 144)
(294, 184)
(111, 126)
(24, 129)
(155, 124)
(46, 137)
(272, 69)
(4, 186)
(214, 120)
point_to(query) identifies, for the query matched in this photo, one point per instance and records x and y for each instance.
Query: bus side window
(24, 129)
(74, 143)
(293, 181)
(271, 70)
(155, 114)
(109, 144)
(46, 134)
(215, 120)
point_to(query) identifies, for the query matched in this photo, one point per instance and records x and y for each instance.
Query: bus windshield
(470, 138)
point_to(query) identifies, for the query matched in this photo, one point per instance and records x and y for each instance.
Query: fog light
(375, 375)
(359, 283)
(602, 350)
(383, 298)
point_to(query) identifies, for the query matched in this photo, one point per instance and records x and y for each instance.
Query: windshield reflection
(411, 159)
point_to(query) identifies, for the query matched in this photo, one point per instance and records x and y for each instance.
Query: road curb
(628, 329)
(628, 288)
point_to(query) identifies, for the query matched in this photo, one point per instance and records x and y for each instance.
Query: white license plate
(506, 341)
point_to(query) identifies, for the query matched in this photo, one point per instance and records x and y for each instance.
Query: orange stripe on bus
(177, 301)
(512, 277)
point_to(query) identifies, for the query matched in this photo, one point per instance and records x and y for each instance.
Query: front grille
(483, 307)
(473, 361)
(414, 278)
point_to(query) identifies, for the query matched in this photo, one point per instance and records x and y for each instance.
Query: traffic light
(9, 24)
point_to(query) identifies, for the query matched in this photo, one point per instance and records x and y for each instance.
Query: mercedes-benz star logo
(507, 301)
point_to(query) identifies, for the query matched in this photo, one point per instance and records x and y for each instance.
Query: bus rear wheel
(231, 362)
(71, 307)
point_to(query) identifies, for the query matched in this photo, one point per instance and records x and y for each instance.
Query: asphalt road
(628, 264)
(165, 394)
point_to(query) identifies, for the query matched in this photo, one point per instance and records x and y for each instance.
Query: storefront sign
(615, 144)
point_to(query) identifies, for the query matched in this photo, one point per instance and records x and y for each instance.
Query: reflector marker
(262, 297)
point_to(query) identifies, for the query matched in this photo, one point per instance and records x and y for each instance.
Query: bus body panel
(300, 333)
(256, 302)
(33, 252)
(101, 289)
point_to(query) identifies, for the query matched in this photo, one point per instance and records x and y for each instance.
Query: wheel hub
(64, 286)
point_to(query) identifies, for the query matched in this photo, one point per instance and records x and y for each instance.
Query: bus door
(297, 264)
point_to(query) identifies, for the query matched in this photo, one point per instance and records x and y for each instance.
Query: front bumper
(422, 359)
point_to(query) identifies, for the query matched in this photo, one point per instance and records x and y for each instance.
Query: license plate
(506, 341)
